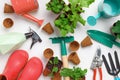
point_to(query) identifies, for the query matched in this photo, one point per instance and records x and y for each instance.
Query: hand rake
(114, 70)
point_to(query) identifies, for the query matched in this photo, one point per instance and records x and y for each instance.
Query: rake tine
(106, 64)
(111, 63)
(117, 61)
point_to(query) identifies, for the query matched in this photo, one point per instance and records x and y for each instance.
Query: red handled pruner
(97, 63)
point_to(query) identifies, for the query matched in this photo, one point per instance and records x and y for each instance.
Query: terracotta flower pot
(8, 8)
(73, 57)
(48, 28)
(48, 53)
(74, 46)
(15, 64)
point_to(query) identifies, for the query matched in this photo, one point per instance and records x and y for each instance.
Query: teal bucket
(106, 9)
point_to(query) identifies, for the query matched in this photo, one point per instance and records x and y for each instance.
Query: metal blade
(106, 64)
(111, 62)
(99, 52)
(117, 61)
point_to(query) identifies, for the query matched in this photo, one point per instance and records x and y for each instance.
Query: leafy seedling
(70, 15)
(116, 29)
(74, 74)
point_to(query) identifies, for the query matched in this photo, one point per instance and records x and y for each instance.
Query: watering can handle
(33, 19)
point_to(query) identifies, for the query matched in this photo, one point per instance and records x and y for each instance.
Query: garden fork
(114, 70)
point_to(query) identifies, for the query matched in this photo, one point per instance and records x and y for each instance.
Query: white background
(85, 54)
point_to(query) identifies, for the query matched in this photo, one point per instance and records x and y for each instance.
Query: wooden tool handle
(65, 65)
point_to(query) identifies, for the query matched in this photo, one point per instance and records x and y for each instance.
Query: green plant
(116, 29)
(55, 5)
(75, 73)
(54, 62)
(70, 16)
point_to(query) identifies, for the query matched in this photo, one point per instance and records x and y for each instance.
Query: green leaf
(63, 32)
(55, 61)
(55, 69)
(75, 73)
(116, 28)
(86, 3)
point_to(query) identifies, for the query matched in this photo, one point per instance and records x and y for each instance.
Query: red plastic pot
(15, 64)
(32, 70)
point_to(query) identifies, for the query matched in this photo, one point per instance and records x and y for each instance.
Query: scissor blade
(99, 52)
(106, 64)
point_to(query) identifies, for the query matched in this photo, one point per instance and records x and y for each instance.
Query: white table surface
(85, 54)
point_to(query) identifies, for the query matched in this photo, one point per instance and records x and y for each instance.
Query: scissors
(97, 63)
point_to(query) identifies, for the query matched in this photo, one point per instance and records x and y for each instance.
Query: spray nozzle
(35, 37)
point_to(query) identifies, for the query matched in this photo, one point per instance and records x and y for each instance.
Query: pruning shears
(97, 63)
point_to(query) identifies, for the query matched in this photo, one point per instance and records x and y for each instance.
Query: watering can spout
(92, 20)
(39, 22)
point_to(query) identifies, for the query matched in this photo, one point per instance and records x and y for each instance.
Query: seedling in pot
(116, 29)
(53, 66)
(74, 74)
(70, 15)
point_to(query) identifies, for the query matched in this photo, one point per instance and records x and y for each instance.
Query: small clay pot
(48, 28)
(8, 8)
(48, 53)
(8, 22)
(73, 57)
(86, 42)
(74, 46)
(46, 71)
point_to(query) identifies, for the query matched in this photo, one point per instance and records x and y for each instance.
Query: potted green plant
(116, 29)
(74, 74)
(69, 15)
(55, 5)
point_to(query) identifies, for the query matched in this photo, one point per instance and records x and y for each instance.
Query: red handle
(100, 71)
(94, 74)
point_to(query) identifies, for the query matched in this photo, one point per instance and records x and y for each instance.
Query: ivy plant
(69, 14)
(74, 74)
(116, 29)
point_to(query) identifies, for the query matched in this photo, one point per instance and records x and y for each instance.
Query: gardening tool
(106, 9)
(16, 62)
(97, 63)
(104, 38)
(22, 7)
(114, 70)
(13, 40)
(62, 41)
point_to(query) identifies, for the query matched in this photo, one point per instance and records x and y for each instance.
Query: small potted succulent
(74, 74)
(116, 29)
(69, 14)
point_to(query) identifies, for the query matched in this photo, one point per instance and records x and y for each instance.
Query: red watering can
(22, 7)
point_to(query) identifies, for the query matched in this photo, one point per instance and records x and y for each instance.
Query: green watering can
(106, 9)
